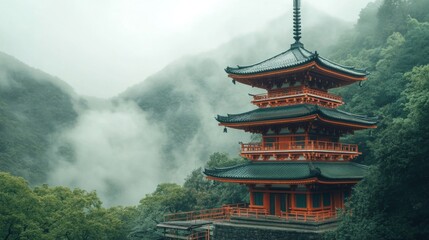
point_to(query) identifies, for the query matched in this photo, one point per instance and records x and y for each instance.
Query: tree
(77, 214)
(19, 209)
(223, 160)
(57, 213)
(167, 198)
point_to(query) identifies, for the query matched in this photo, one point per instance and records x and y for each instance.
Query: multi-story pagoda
(300, 167)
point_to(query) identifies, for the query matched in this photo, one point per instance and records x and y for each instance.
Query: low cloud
(114, 149)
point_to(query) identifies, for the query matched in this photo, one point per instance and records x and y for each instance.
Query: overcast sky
(101, 47)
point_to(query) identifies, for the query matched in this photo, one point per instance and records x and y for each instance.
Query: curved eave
(313, 65)
(279, 181)
(341, 68)
(291, 172)
(313, 117)
(318, 63)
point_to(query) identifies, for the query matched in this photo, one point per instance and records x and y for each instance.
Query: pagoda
(300, 167)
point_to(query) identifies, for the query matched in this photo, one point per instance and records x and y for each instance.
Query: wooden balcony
(300, 150)
(297, 96)
(226, 212)
(213, 214)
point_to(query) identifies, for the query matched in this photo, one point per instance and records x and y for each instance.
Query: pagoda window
(258, 198)
(270, 141)
(299, 141)
(301, 200)
(316, 200)
(300, 138)
(326, 199)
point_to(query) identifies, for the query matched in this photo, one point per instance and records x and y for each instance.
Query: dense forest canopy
(390, 39)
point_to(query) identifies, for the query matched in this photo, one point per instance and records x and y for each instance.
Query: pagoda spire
(297, 24)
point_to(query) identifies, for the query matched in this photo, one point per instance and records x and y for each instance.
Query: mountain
(33, 107)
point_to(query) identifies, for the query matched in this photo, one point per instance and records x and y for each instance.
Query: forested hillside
(33, 107)
(392, 40)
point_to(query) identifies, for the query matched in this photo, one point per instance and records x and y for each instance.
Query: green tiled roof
(294, 111)
(290, 171)
(293, 57)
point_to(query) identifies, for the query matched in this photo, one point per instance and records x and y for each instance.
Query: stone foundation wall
(230, 231)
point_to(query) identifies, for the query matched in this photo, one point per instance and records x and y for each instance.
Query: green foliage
(167, 198)
(388, 55)
(19, 209)
(57, 213)
(213, 194)
(392, 202)
(218, 160)
(391, 16)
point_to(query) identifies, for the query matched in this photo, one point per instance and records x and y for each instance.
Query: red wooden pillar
(292, 198)
(292, 201)
(278, 210)
(308, 193)
(251, 195)
(267, 201)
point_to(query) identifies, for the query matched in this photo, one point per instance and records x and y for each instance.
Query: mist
(115, 150)
(121, 152)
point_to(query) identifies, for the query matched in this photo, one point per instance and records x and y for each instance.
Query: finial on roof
(297, 24)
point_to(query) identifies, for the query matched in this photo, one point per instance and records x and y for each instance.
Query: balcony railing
(299, 146)
(249, 212)
(204, 214)
(299, 150)
(226, 212)
(295, 92)
(314, 216)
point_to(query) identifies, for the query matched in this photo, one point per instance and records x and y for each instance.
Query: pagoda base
(271, 228)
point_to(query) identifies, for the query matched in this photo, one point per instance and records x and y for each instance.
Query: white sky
(101, 47)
